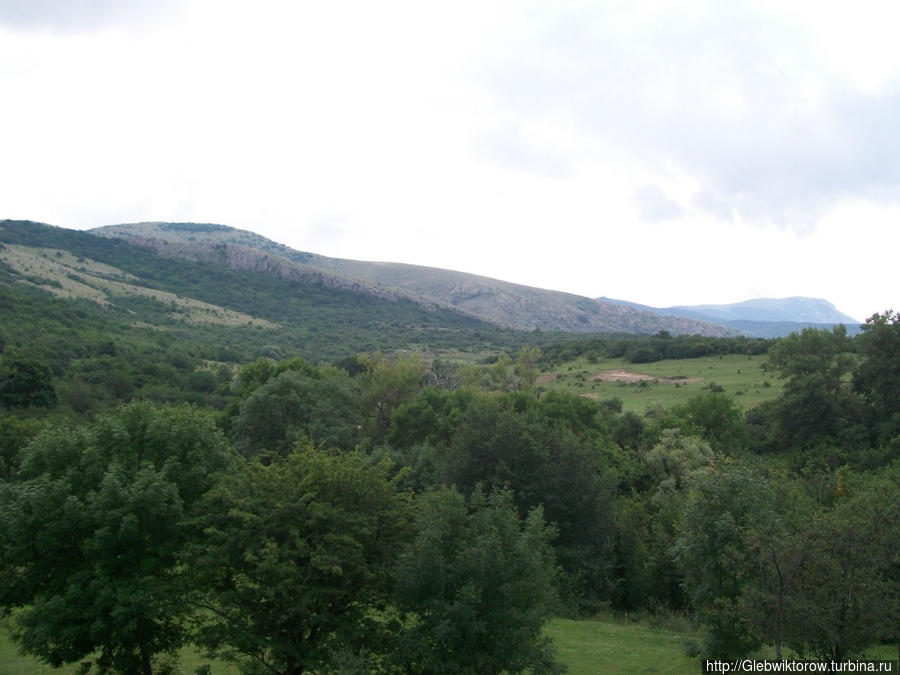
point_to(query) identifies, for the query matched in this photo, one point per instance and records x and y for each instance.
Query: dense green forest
(348, 504)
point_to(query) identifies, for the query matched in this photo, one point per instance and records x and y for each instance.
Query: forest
(390, 512)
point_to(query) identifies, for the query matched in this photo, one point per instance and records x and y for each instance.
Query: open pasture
(665, 383)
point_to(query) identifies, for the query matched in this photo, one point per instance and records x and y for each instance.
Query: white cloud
(78, 16)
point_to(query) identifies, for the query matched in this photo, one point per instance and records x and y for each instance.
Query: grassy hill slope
(310, 315)
(499, 302)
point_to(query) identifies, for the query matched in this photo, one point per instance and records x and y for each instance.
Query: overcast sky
(659, 152)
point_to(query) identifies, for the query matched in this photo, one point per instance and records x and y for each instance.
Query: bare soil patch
(629, 376)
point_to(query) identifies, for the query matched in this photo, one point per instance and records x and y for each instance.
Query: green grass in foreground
(586, 646)
(616, 646)
(612, 647)
(670, 382)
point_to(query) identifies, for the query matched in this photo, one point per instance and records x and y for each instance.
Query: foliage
(477, 583)
(388, 383)
(297, 558)
(656, 506)
(25, 382)
(815, 404)
(723, 509)
(93, 531)
(849, 590)
(649, 349)
(320, 406)
(527, 369)
(714, 417)
(877, 377)
(316, 320)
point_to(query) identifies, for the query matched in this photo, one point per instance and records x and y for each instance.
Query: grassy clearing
(585, 646)
(618, 646)
(613, 647)
(668, 382)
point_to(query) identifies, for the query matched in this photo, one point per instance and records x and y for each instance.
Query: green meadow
(666, 383)
(594, 646)
(587, 646)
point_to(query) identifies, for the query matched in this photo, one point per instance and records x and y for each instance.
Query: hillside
(499, 302)
(225, 301)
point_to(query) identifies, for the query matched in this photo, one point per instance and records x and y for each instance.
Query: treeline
(649, 349)
(387, 514)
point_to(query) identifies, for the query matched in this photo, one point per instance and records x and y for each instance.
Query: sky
(659, 152)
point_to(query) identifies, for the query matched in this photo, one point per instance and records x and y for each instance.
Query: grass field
(585, 647)
(666, 383)
(614, 647)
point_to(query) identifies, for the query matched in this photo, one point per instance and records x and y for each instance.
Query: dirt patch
(546, 377)
(621, 376)
(630, 377)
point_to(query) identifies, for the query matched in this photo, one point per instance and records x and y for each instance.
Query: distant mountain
(796, 309)
(499, 302)
(761, 317)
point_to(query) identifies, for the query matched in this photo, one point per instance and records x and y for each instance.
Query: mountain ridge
(500, 302)
(761, 317)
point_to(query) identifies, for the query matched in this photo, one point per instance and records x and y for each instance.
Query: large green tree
(512, 441)
(814, 404)
(297, 558)
(321, 406)
(93, 529)
(877, 377)
(848, 594)
(727, 505)
(477, 585)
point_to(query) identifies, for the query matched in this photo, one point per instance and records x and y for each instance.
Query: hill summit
(499, 302)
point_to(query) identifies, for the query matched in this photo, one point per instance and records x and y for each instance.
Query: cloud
(654, 205)
(745, 104)
(79, 16)
(509, 148)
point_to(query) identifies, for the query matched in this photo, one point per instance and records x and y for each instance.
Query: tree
(723, 510)
(717, 419)
(25, 382)
(93, 531)
(849, 591)
(814, 403)
(514, 442)
(672, 462)
(387, 384)
(527, 366)
(297, 558)
(292, 405)
(776, 552)
(877, 376)
(477, 585)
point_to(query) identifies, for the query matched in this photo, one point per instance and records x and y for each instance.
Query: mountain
(761, 317)
(497, 302)
(224, 306)
(796, 309)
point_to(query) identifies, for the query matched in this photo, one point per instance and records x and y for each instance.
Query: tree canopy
(94, 529)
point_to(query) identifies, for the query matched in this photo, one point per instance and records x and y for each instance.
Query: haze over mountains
(761, 317)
